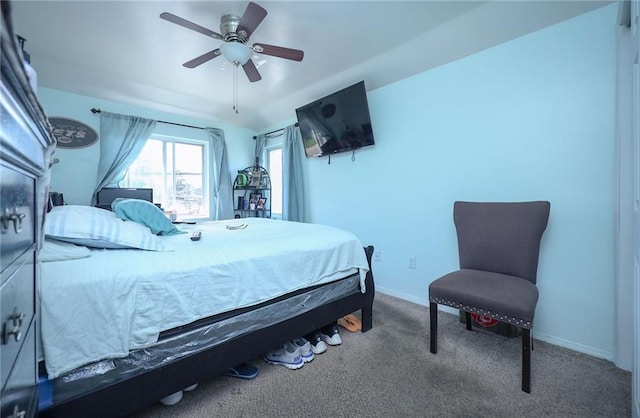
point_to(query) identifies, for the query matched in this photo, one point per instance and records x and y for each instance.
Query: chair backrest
(502, 237)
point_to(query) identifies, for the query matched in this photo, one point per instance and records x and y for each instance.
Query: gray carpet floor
(389, 372)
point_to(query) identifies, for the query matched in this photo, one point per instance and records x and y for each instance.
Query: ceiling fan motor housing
(229, 29)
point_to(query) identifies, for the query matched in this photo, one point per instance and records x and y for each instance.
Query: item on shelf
(241, 179)
(256, 178)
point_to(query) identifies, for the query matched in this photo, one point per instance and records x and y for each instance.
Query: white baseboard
(581, 348)
(424, 301)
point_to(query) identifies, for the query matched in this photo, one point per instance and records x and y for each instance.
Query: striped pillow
(98, 228)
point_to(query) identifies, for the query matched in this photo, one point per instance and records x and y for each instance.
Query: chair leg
(526, 360)
(467, 320)
(433, 323)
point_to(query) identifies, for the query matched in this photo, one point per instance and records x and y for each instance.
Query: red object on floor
(485, 321)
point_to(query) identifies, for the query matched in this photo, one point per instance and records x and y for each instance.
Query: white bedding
(117, 300)
(53, 250)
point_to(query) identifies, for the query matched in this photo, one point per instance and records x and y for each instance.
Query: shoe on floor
(172, 399)
(243, 371)
(287, 356)
(331, 335)
(317, 345)
(304, 346)
(350, 323)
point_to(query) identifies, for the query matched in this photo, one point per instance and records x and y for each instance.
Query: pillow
(145, 213)
(98, 228)
(54, 250)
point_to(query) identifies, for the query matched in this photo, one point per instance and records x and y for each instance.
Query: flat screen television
(336, 123)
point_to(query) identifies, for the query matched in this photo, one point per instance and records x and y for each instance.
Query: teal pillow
(145, 213)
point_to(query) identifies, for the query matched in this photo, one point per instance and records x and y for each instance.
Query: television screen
(336, 123)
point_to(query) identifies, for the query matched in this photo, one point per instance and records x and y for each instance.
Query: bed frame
(142, 390)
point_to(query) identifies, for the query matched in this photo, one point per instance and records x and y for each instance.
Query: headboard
(108, 194)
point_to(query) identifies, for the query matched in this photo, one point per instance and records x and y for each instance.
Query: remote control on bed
(195, 236)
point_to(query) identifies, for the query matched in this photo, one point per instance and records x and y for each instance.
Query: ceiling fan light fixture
(236, 52)
(235, 32)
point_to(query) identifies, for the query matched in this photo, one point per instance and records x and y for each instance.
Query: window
(176, 170)
(274, 167)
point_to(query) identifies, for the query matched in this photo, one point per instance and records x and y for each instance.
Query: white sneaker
(287, 356)
(331, 335)
(172, 399)
(317, 345)
(304, 347)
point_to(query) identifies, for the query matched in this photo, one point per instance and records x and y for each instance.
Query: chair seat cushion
(505, 298)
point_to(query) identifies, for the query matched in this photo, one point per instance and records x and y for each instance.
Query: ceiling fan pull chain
(235, 88)
(235, 72)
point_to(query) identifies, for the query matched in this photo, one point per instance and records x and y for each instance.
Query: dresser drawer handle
(12, 326)
(17, 413)
(14, 217)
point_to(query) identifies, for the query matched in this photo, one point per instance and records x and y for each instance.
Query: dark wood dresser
(26, 146)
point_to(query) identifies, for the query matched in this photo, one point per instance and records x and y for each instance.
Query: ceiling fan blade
(279, 51)
(190, 25)
(202, 58)
(251, 71)
(252, 17)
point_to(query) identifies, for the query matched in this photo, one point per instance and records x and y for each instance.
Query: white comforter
(117, 300)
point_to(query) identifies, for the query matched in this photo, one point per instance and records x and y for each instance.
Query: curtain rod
(94, 110)
(276, 131)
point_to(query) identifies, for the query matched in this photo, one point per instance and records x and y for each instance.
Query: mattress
(177, 345)
(114, 301)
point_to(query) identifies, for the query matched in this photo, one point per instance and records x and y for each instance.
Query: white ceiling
(122, 51)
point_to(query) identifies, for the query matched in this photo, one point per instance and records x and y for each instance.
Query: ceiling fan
(235, 32)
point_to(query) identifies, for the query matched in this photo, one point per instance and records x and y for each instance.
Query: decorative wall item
(70, 133)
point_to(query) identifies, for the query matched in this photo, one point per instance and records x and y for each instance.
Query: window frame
(272, 145)
(206, 169)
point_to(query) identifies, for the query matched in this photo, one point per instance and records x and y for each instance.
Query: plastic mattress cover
(106, 372)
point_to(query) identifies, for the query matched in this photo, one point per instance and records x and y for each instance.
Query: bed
(123, 327)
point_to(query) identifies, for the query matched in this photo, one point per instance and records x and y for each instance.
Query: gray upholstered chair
(498, 246)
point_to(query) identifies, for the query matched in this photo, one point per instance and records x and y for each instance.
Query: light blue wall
(531, 119)
(75, 175)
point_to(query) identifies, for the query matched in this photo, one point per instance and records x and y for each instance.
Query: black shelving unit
(252, 193)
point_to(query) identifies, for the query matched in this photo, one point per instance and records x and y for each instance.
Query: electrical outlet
(377, 256)
(412, 262)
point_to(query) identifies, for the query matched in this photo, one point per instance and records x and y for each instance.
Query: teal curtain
(292, 177)
(261, 142)
(220, 184)
(122, 138)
